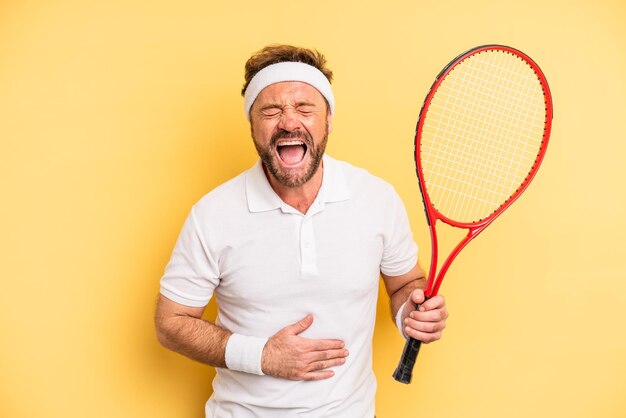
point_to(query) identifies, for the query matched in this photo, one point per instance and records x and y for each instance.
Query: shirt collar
(261, 197)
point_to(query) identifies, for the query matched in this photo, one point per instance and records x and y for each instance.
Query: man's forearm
(401, 295)
(400, 287)
(288, 355)
(193, 337)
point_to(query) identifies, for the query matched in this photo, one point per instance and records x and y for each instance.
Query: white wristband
(243, 353)
(399, 320)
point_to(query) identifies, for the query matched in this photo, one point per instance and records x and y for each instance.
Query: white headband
(288, 71)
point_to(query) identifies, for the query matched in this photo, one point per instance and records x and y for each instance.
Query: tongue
(291, 154)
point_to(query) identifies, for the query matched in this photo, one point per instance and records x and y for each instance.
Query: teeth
(290, 143)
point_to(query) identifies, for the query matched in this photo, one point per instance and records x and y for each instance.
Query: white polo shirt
(269, 265)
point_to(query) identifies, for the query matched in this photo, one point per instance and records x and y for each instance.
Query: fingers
(435, 315)
(328, 358)
(315, 365)
(291, 356)
(323, 345)
(417, 296)
(321, 375)
(435, 302)
(425, 326)
(300, 326)
(322, 360)
(425, 337)
(427, 323)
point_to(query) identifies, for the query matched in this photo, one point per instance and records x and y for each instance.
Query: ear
(329, 122)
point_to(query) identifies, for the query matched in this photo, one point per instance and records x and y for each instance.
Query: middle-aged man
(293, 249)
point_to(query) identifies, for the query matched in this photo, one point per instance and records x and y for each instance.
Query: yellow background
(116, 116)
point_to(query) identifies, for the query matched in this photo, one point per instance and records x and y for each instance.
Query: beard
(292, 177)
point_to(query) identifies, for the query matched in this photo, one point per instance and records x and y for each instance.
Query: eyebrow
(277, 106)
(298, 104)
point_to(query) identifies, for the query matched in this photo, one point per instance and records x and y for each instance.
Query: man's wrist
(244, 353)
(399, 324)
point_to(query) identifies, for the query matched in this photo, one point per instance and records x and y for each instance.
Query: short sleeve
(400, 250)
(191, 275)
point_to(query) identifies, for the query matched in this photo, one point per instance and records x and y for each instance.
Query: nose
(289, 120)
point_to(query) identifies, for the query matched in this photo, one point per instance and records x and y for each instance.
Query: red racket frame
(403, 372)
(474, 228)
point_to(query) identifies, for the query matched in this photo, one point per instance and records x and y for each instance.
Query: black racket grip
(404, 371)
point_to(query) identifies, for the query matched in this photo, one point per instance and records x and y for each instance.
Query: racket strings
(481, 135)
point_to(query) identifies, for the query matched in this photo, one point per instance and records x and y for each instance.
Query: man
(293, 249)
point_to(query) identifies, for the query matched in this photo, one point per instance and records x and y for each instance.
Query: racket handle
(404, 371)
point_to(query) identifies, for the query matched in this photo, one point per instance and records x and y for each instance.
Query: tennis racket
(481, 135)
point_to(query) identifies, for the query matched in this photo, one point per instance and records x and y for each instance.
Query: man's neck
(300, 198)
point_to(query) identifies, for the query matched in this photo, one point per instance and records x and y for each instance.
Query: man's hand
(426, 323)
(292, 357)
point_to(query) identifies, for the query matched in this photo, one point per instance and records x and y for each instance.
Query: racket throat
(435, 276)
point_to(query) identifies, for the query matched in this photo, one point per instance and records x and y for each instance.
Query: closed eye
(306, 110)
(271, 111)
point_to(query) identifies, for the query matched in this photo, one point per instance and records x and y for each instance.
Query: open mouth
(291, 152)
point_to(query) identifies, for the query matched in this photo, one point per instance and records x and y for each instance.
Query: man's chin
(302, 166)
(292, 177)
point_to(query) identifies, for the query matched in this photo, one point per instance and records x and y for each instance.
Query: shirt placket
(308, 244)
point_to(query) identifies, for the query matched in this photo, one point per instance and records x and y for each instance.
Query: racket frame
(404, 371)
(474, 228)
